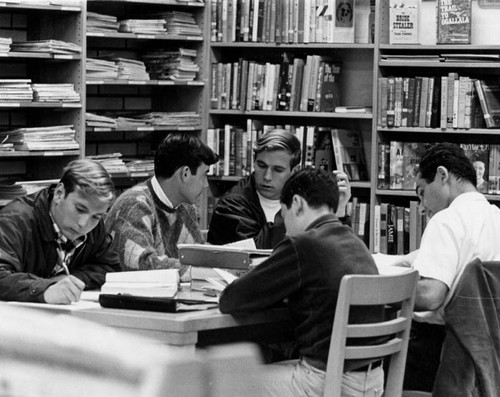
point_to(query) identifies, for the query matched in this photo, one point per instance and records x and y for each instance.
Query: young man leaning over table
(306, 268)
(149, 220)
(53, 243)
(462, 226)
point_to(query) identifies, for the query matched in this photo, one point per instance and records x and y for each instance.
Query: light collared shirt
(160, 193)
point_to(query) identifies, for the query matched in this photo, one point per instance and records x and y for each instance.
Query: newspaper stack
(5, 43)
(181, 23)
(101, 69)
(144, 26)
(59, 137)
(131, 69)
(130, 122)
(172, 65)
(97, 121)
(64, 92)
(101, 22)
(113, 163)
(173, 119)
(140, 167)
(46, 46)
(16, 90)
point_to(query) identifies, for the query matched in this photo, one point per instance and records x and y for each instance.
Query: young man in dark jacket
(306, 268)
(53, 243)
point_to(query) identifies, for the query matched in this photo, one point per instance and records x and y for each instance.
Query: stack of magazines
(101, 69)
(64, 92)
(113, 163)
(16, 90)
(47, 46)
(98, 121)
(172, 65)
(5, 43)
(142, 26)
(101, 23)
(131, 69)
(59, 137)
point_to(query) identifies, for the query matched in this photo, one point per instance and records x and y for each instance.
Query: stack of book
(5, 43)
(47, 46)
(101, 69)
(101, 23)
(113, 163)
(98, 121)
(59, 137)
(181, 23)
(140, 167)
(142, 26)
(16, 90)
(131, 69)
(174, 65)
(64, 92)
(182, 120)
(123, 122)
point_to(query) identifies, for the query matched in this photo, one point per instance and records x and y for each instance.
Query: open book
(152, 283)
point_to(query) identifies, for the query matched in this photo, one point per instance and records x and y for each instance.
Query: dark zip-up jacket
(28, 250)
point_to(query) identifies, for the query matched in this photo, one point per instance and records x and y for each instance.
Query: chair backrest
(365, 290)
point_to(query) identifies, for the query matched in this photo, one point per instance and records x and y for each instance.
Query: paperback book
(454, 21)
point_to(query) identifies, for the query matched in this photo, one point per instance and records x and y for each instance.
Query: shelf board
(39, 55)
(312, 46)
(40, 105)
(421, 130)
(440, 48)
(438, 64)
(140, 36)
(399, 193)
(45, 7)
(48, 153)
(268, 113)
(360, 184)
(146, 82)
(141, 129)
(162, 2)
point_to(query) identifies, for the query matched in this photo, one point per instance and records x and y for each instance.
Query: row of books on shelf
(48, 138)
(23, 90)
(175, 22)
(174, 120)
(309, 84)
(283, 21)
(398, 164)
(175, 65)
(450, 101)
(326, 147)
(398, 229)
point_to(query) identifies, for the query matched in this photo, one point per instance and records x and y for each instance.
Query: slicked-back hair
(316, 186)
(90, 177)
(179, 150)
(450, 156)
(279, 139)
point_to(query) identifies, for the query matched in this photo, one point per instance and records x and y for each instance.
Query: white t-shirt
(270, 207)
(469, 228)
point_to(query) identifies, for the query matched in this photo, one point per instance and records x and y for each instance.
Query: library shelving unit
(130, 97)
(356, 86)
(410, 61)
(27, 22)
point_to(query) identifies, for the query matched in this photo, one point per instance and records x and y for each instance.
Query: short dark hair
(452, 157)
(90, 177)
(279, 139)
(180, 149)
(315, 185)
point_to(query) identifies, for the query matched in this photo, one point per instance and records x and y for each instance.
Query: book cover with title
(403, 21)
(454, 21)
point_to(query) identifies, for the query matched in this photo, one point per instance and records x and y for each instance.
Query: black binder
(155, 304)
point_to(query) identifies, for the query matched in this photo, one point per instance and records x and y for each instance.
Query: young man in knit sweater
(151, 218)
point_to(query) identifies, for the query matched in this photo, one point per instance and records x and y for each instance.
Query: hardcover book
(454, 21)
(348, 152)
(403, 21)
(412, 153)
(488, 92)
(479, 154)
(329, 89)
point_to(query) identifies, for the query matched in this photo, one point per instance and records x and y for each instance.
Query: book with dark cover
(285, 83)
(383, 176)
(330, 92)
(168, 305)
(454, 21)
(488, 92)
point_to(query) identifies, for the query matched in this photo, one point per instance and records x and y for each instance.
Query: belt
(369, 367)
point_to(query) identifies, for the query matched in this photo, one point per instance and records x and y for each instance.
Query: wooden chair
(372, 290)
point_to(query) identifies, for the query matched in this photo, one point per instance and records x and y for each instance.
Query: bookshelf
(426, 61)
(231, 106)
(122, 96)
(29, 22)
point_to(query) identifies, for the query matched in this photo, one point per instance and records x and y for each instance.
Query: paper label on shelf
(53, 153)
(145, 128)
(137, 82)
(146, 36)
(10, 104)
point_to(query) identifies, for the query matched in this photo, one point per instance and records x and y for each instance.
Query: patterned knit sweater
(146, 231)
